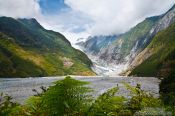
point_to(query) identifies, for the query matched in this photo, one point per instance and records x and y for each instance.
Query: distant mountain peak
(173, 7)
(32, 22)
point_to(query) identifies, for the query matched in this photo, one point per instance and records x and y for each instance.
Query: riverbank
(21, 88)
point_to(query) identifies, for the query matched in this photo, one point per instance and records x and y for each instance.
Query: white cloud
(72, 25)
(88, 17)
(65, 22)
(117, 16)
(20, 8)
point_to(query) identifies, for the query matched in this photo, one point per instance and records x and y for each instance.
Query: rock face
(164, 22)
(158, 58)
(124, 45)
(94, 45)
(129, 48)
(116, 53)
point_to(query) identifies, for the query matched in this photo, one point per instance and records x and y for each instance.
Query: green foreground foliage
(70, 97)
(167, 89)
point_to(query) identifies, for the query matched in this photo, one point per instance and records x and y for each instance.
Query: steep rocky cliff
(130, 48)
(94, 45)
(164, 22)
(121, 49)
(154, 60)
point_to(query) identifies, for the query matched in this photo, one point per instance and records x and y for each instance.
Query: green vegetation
(71, 97)
(6, 105)
(67, 97)
(167, 87)
(140, 31)
(162, 61)
(27, 49)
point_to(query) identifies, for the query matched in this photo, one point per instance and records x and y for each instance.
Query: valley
(87, 58)
(147, 49)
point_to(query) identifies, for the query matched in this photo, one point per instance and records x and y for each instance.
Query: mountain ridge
(126, 48)
(48, 52)
(119, 50)
(164, 40)
(166, 21)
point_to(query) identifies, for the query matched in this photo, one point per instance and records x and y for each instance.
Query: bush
(67, 97)
(6, 105)
(71, 97)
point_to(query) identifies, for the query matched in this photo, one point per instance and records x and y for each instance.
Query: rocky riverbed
(21, 88)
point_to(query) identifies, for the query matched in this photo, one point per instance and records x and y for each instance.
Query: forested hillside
(27, 49)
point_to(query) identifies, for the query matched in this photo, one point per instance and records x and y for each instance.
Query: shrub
(67, 97)
(6, 105)
(70, 97)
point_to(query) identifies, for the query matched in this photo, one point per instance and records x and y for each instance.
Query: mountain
(158, 58)
(129, 48)
(162, 39)
(109, 51)
(125, 45)
(128, 43)
(93, 45)
(27, 49)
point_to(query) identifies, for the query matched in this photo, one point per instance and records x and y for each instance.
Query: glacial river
(21, 88)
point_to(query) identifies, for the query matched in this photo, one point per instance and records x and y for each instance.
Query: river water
(21, 88)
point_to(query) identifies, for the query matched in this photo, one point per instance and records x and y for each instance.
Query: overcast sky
(81, 18)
